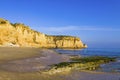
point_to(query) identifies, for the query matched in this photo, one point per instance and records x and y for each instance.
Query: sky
(96, 22)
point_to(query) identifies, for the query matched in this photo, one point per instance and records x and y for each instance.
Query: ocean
(112, 52)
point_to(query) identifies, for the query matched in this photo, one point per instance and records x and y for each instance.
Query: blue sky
(96, 22)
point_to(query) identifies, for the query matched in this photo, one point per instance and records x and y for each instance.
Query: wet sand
(91, 75)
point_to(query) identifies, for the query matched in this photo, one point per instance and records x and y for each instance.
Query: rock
(21, 35)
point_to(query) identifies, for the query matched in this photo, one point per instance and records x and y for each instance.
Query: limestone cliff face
(22, 36)
(64, 42)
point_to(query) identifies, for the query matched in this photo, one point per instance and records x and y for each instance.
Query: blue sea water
(91, 52)
(112, 52)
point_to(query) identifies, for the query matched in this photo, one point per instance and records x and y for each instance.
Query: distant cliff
(20, 35)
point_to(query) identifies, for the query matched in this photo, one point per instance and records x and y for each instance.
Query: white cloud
(76, 28)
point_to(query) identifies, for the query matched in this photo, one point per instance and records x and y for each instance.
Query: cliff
(20, 35)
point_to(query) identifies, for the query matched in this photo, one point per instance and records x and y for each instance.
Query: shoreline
(28, 68)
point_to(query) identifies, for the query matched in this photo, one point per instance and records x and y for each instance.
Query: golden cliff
(19, 35)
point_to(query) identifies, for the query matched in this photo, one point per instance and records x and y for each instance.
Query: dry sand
(44, 58)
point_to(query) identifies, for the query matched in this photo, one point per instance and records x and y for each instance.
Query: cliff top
(64, 37)
(3, 21)
(16, 25)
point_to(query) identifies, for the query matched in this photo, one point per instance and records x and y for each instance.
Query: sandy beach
(91, 75)
(27, 63)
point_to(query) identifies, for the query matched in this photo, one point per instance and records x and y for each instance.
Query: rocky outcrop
(20, 35)
(64, 42)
